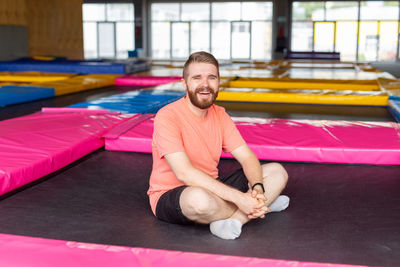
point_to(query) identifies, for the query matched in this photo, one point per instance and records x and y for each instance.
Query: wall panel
(13, 12)
(54, 27)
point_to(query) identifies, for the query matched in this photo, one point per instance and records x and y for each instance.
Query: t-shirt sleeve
(167, 135)
(232, 138)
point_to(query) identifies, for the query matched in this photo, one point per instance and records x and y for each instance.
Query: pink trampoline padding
(39, 144)
(136, 139)
(297, 140)
(20, 251)
(117, 131)
(146, 80)
(84, 110)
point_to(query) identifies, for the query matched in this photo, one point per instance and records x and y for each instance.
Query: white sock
(226, 229)
(280, 203)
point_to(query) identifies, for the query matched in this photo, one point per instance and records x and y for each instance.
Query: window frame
(358, 21)
(210, 22)
(114, 22)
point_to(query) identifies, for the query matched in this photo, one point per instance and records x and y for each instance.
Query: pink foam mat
(36, 145)
(297, 140)
(20, 251)
(81, 110)
(145, 80)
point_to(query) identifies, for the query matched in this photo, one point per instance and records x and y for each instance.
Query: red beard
(200, 103)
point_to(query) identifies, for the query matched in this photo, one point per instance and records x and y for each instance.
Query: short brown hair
(200, 57)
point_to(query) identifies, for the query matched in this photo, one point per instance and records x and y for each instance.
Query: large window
(108, 30)
(359, 30)
(229, 30)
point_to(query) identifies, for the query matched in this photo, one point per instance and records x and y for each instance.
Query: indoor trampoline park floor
(339, 213)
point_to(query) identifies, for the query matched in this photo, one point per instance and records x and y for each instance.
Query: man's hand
(258, 194)
(258, 191)
(253, 171)
(260, 213)
(253, 207)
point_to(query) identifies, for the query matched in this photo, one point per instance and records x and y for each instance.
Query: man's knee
(275, 170)
(197, 202)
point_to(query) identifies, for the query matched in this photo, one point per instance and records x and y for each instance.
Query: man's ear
(184, 83)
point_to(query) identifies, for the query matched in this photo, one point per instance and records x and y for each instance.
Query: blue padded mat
(394, 107)
(76, 66)
(12, 94)
(140, 101)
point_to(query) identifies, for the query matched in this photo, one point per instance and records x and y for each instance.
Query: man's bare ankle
(239, 215)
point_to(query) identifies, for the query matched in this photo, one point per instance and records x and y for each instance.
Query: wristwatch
(260, 184)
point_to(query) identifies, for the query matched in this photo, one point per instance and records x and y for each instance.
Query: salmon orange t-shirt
(178, 129)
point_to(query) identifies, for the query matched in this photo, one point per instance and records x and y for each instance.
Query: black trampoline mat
(346, 214)
(338, 213)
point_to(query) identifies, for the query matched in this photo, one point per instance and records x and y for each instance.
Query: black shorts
(169, 210)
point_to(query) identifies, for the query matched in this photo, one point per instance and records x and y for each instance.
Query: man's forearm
(252, 170)
(250, 164)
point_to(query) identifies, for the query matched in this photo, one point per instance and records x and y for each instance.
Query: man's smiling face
(202, 84)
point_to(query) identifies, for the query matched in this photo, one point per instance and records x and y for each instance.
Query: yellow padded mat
(80, 83)
(390, 86)
(330, 97)
(33, 77)
(322, 84)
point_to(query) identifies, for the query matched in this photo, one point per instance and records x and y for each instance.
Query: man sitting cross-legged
(188, 138)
